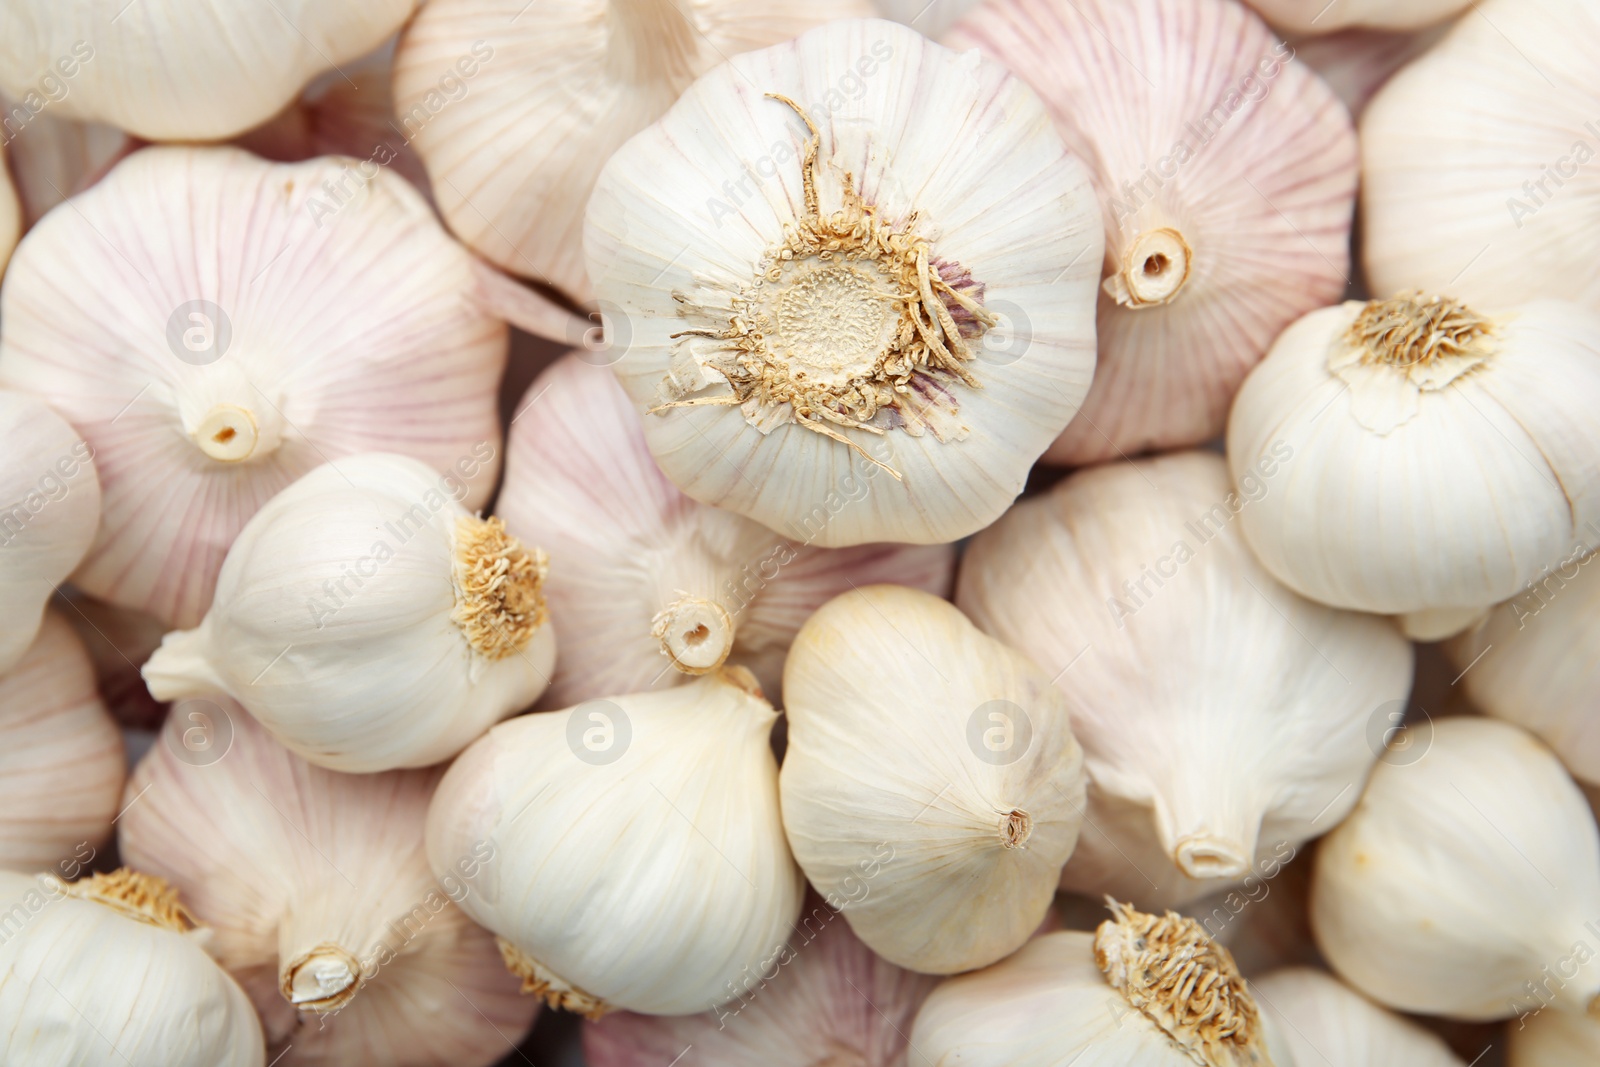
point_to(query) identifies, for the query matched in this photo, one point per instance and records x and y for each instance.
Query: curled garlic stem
(229, 434)
(324, 979)
(540, 981)
(695, 633)
(1153, 269)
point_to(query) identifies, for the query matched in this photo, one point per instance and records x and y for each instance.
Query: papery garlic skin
(1253, 735)
(1327, 1023)
(109, 970)
(61, 761)
(350, 619)
(1553, 1039)
(650, 586)
(321, 904)
(958, 198)
(1444, 454)
(1321, 16)
(241, 61)
(49, 508)
(640, 859)
(1227, 174)
(280, 316)
(896, 781)
(1464, 884)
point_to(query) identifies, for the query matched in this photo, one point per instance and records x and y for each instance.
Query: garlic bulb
(1553, 1039)
(1321, 16)
(1357, 62)
(1461, 193)
(936, 764)
(111, 970)
(640, 855)
(61, 762)
(1227, 172)
(1328, 1025)
(280, 316)
(1141, 991)
(49, 505)
(826, 1000)
(177, 70)
(1254, 734)
(53, 157)
(1444, 454)
(1464, 883)
(369, 620)
(881, 327)
(10, 214)
(650, 586)
(317, 890)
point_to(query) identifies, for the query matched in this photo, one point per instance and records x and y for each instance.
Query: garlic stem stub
(902, 302)
(1445, 454)
(937, 759)
(1326, 1022)
(1320, 17)
(369, 620)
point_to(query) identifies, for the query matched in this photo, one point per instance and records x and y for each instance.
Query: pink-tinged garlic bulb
(827, 999)
(1357, 62)
(216, 326)
(61, 761)
(1325, 16)
(174, 70)
(1227, 176)
(319, 896)
(53, 157)
(650, 586)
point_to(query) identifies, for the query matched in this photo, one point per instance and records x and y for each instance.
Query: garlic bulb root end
(557, 992)
(1414, 329)
(499, 587)
(228, 433)
(1153, 269)
(325, 978)
(695, 634)
(143, 897)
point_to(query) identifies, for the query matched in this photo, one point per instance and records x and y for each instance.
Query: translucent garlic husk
(775, 376)
(111, 969)
(1255, 733)
(61, 761)
(640, 859)
(651, 586)
(1444, 454)
(53, 157)
(280, 316)
(321, 904)
(241, 61)
(935, 766)
(1553, 1039)
(1464, 882)
(1321, 17)
(1328, 1024)
(49, 506)
(827, 1000)
(1460, 191)
(1222, 226)
(369, 621)
(1357, 62)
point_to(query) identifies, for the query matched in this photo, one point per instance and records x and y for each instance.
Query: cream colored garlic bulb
(1444, 453)
(650, 586)
(217, 325)
(1227, 174)
(1325, 16)
(61, 762)
(1141, 991)
(887, 322)
(49, 505)
(640, 860)
(53, 157)
(1224, 719)
(318, 893)
(935, 764)
(1460, 191)
(1464, 884)
(369, 620)
(111, 970)
(1329, 1025)
(177, 70)
(1553, 1039)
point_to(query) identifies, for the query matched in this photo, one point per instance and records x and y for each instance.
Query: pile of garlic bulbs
(813, 533)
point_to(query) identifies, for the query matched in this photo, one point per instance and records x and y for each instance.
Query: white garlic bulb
(111, 970)
(1224, 719)
(1321, 16)
(650, 586)
(1461, 193)
(1142, 991)
(317, 891)
(1227, 172)
(280, 316)
(1444, 454)
(369, 620)
(1329, 1025)
(900, 293)
(1553, 1039)
(640, 860)
(936, 764)
(49, 506)
(1464, 883)
(176, 70)
(61, 761)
